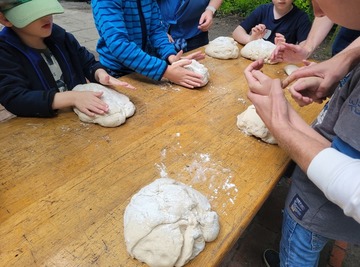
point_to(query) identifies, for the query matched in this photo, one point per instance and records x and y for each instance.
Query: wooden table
(65, 184)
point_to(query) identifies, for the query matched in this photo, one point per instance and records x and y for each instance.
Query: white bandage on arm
(338, 176)
(211, 8)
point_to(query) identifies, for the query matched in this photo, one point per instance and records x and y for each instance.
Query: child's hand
(105, 79)
(196, 55)
(90, 103)
(279, 39)
(258, 32)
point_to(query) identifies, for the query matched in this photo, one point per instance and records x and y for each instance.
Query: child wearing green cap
(40, 63)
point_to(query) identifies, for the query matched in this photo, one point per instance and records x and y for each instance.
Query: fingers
(182, 63)
(196, 55)
(279, 39)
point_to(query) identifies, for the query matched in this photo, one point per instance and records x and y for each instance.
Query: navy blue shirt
(343, 39)
(295, 25)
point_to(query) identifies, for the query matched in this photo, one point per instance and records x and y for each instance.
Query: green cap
(22, 12)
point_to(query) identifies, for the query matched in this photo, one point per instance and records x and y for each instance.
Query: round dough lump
(120, 106)
(167, 224)
(258, 49)
(199, 68)
(250, 123)
(223, 48)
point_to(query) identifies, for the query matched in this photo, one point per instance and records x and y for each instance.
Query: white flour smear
(199, 168)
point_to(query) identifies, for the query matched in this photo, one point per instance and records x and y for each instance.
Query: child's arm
(242, 37)
(89, 103)
(102, 77)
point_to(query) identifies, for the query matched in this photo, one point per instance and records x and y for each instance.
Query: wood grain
(65, 184)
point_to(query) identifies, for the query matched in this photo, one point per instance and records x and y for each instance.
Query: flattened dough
(250, 123)
(223, 48)
(290, 69)
(120, 106)
(258, 49)
(167, 223)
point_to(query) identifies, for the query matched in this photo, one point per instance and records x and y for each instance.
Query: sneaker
(271, 258)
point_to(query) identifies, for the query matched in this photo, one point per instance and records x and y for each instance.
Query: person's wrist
(211, 8)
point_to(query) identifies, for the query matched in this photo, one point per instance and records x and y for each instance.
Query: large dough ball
(258, 49)
(120, 106)
(223, 48)
(250, 123)
(167, 223)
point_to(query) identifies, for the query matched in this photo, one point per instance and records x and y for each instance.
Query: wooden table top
(65, 184)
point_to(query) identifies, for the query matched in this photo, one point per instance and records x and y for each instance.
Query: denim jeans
(298, 246)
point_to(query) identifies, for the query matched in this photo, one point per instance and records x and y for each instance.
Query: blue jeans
(299, 246)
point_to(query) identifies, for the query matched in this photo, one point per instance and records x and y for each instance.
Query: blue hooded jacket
(27, 87)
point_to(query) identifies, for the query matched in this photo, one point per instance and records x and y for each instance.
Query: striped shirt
(132, 38)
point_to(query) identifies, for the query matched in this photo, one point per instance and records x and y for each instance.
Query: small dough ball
(120, 106)
(250, 123)
(223, 48)
(167, 224)
(199, 68)
(258, 49)
(290, 69)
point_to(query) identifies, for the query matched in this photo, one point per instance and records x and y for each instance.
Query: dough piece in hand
(199, 68)
(290, 69)
(120, 106)
(223, 48)
(167, 224)
(250, 123)
(258, 49)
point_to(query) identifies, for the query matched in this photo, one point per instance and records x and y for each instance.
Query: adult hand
(268, 98)
(105, 79)
(258, 82)
(289, 53)
(325, 70)
(303, 91)
(205, 21)
(176, 73)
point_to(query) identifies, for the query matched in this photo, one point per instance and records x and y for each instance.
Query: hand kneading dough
(120, 106)
(222, 48)
(250, 123)
(258, 49)
(198, 68)
(167, 223)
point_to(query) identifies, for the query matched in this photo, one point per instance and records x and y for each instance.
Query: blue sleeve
(20, 93)
(158, 37)
(122, 35)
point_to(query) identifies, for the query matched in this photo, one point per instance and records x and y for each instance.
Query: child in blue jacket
(40, 63)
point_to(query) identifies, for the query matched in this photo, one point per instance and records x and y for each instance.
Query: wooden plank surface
(65, 184)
